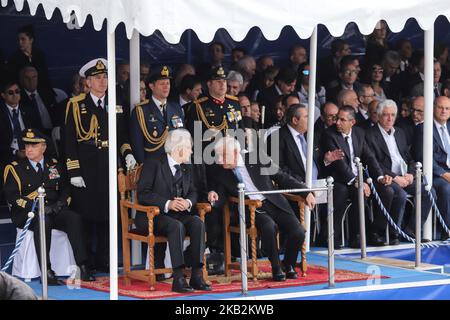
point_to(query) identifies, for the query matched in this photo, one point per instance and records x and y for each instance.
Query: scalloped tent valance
(173, 17)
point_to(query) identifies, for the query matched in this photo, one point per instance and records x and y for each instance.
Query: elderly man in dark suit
(275, 213)
(168, 183)
(391, 150)
(347, 137)
(441, 155)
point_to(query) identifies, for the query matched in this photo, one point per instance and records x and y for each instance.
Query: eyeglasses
(350, 72)
(331, 117)
(369, 96)
(305, 72)
(12, 92)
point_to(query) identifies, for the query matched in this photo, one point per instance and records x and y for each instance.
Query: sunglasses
(305, 72)
(12, 92)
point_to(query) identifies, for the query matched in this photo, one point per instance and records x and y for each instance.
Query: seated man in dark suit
(275, 213)
(388, 143)
(168, 183)
(13, 120)
(347, 137)
(409, 124)
(441, 155)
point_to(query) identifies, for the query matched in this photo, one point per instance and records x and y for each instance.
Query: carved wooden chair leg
(253, 237)
(227, 240)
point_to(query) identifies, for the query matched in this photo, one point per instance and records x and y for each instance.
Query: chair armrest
(294, 197)
(203, 208)
(151, 211)
(248, 202)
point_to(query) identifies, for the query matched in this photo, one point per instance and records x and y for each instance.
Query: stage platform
(399, 282)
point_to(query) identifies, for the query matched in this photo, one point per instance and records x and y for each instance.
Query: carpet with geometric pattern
(221, 284)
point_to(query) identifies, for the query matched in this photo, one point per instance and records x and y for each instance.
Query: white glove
(130, 161)
(77, 182)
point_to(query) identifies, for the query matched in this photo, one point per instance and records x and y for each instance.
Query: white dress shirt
(159, 103)
(399, 166)
(15, 142)
(172, 164)
(34, 164)
(95, 99)
(447, 136)
(247, 180)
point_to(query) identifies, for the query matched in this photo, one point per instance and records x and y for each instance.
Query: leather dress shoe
(160, 277)
(278, 275)
(394, 241)
(52, 280)
(375, 240)
(180, 285)
(198, 283)
(290, 271)
(86, 274)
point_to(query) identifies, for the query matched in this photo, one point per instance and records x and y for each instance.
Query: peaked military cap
(218, 73)
(33, 136)
(161, 73)
(94, 67)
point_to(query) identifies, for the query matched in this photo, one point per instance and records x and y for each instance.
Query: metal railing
(243, 236)
(418, 200)
(41, 196)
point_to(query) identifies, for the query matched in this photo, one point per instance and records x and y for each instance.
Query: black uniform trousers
(176, 226)
(374, 222)
(68, 221)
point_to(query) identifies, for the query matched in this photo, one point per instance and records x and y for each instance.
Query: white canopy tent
(173, 17)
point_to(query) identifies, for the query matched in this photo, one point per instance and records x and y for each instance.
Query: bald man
(441, 156)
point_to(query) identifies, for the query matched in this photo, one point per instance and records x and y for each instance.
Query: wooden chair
(252, 264)
(128, 184)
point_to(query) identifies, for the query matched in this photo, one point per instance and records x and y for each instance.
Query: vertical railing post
(330, 232)
(418, 204)
(243, 238)
(41, 195)
(362, 218)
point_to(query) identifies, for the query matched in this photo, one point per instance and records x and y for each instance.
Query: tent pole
(112, 153)
(135, 74)
(310, 137)
(428, 120)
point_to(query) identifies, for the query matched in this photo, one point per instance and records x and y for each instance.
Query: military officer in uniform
(152, 119)
(86, 149)
(216, 111)
(22, 179)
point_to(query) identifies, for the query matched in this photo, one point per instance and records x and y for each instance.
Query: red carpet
(139, 289)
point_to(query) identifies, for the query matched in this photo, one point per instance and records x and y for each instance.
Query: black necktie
(99, 103)
(164, 112)
(178, 181)
(178, 174)
(40, 172)
(36, 108)
(16, 124)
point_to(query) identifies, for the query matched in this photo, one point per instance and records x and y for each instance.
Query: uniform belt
(99, 143)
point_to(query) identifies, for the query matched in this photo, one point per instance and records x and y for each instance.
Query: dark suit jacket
(49, 103)
(439, 155)
(376, 143)
(226, 184)
(409, 128)
(268, 97)
(341, 169)
(290, 159)
(155, 185)
(6, 131)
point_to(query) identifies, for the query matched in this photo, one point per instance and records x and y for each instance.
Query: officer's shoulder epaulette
(78, 98)
(14, 163)
(203, 99)
(231, 97)
(142, 103)
(54, 160)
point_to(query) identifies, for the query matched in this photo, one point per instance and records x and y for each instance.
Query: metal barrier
(418, 215)
(362, 217)
(243, 237)
(41, 196)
